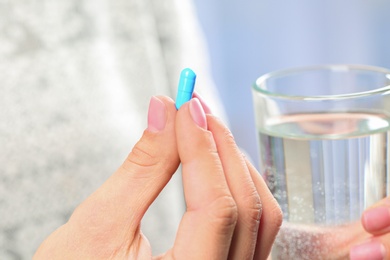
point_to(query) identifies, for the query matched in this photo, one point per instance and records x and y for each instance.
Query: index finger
(207, 226)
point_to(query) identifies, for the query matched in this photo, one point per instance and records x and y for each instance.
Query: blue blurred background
(249, 38)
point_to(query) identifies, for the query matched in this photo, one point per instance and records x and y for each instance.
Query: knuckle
(276, 216)
(252, 209)
(224, 212)
(142, 155)
(151, 158)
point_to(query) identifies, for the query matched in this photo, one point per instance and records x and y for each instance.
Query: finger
(206, 229)
(382, 246)
(376, 219)
(114, 211)
(271, 218)
(242, 188)
(205, 107)
(375, 248)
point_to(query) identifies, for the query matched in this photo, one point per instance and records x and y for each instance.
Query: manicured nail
(376, 219)
(371, 250)
(206, 108)
(197, 113)
(156, 115)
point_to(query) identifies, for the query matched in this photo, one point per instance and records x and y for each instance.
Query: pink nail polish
(156, 115)
(368, 251)
(197, 113)
(376, 219)
(205, 107)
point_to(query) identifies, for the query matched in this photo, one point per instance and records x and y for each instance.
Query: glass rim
(330, 67)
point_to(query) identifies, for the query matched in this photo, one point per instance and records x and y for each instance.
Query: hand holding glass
(324, 153)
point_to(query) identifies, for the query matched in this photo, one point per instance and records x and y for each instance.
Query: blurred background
(247, 39)
(76, 77)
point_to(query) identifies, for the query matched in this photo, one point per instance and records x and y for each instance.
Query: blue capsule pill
(186, 87)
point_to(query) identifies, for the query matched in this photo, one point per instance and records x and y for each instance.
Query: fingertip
(197, 113)
(169, 103)
(205, 107)
(156, 115)
(161, 114)
(193, 138)
(166, 99)
(376, 219)
(371, 249)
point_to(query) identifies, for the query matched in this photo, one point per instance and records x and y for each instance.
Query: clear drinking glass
(324, 152)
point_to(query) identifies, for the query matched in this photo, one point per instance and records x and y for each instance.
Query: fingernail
(205, 107)
(156, 115)
(197, 113)
(376, 219)
(368, 251)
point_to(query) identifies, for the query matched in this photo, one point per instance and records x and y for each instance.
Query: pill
(186, 87)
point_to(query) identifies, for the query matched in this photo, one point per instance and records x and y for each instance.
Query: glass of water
(324, 135)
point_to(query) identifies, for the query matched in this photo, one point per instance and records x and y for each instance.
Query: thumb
(115, 210)
(376, 219)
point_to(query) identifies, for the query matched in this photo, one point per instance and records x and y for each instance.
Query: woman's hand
(107, 224)
(376, 221)
(230, 212)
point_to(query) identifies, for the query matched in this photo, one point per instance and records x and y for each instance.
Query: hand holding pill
(230, 212)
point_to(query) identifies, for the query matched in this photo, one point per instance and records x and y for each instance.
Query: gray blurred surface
(76, 77)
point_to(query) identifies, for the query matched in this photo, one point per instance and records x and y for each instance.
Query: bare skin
(230, 212)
